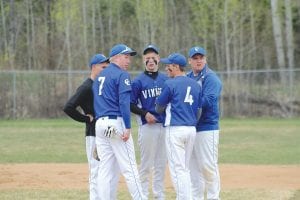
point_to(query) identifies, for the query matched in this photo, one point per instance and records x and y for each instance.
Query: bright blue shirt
(181, 95)
(111, 91)
(145, 90)
(211, 92)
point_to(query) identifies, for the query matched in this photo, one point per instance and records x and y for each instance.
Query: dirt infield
(74, 176)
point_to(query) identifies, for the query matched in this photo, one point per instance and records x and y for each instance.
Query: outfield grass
(260, 141)
(42, 141)
(242, 141)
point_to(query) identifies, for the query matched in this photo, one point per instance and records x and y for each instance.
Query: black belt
(111, 116)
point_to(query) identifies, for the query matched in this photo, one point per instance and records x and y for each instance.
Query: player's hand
(95, 154)
(91, 117)
(150, 118)
(126, 135)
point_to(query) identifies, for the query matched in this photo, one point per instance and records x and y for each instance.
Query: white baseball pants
(116, 156)
(204, 166)
(90, 145)
(179, 143)
(151, 139)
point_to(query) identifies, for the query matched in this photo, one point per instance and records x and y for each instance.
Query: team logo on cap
(196, 49)
(125, 50)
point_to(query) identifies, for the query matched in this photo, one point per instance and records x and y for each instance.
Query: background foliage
(253, 45)
(238, 34)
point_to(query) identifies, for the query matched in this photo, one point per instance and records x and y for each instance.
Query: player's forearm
(126, 117)
(125, 109)
(208, 101)
(211, 92)
(136, 110)
(75, 114)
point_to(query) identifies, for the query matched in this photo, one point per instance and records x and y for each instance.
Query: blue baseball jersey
(181, 95)
(111, 91)
(145, 90)
(211, 91)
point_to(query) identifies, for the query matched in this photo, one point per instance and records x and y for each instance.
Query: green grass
(23, 194)
(260, 141)
(242, 141)
(245, 194)
(42, 141)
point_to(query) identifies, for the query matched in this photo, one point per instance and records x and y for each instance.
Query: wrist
(144, 113)
(87, 119)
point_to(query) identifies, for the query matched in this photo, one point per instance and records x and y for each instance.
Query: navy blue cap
(98, 59)
(197, 50)
(121, 49)
(175, 58)
(152, 47)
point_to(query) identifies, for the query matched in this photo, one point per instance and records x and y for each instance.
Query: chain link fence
(259, 93)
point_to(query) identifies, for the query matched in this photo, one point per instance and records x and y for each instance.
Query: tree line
(64, 34)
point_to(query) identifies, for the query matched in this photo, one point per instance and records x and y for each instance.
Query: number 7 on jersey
(101, 80)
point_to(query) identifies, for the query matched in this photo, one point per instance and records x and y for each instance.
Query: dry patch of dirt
(75, 176)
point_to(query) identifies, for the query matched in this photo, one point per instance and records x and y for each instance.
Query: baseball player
(204, 160)
(180, 98)
(112, 90)
(151, 134)
(83, 98)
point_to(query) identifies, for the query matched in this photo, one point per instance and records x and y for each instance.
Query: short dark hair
(182, 68)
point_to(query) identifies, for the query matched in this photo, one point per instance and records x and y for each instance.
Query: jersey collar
(152, 75)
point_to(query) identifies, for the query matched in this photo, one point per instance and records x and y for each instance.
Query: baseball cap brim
(121, 49)
(196, 53)
(165, 61)
(131, 53)
(151, 47)
(126, 51)
(98, 59)
(175, 58)
(104, 60)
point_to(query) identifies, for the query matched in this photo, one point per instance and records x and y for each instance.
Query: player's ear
(158, 58)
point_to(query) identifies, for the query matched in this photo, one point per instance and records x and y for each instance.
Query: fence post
(291, 91)
(69, 83)
(14, 95)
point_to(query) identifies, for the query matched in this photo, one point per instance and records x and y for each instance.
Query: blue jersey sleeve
(200, 98)
(124, 98)
(164, 98)
(124, 103)
(135, 92)
(124, 83)
(211, 91)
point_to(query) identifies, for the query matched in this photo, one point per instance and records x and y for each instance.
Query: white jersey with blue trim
(108, 88)
(145, 90)
(181, 95)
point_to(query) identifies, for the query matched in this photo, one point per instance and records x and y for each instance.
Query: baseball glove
(110, 132)
(95, 154)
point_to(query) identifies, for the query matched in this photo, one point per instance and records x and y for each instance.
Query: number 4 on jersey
(101, 80)
(188, 96)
